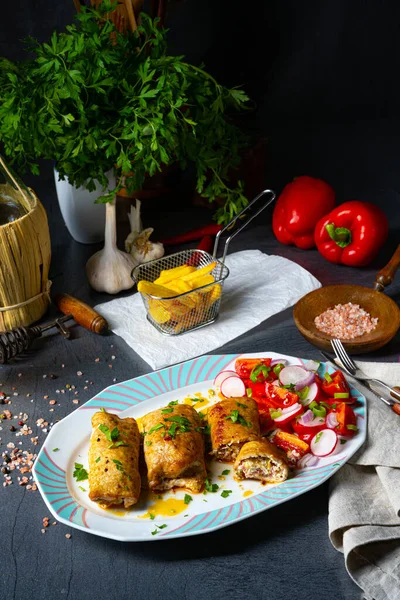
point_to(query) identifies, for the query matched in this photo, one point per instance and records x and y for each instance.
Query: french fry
(176, 273)
(158, 311)
(146, 287)
(215, 293)
(179, 286)
(200, 281)
(199, 272)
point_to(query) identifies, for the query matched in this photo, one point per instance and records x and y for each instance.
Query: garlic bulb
(138, 243)
(109, 270)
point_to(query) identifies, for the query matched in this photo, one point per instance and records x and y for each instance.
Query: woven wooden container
(25, 254)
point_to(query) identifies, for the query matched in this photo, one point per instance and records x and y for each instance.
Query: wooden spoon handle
(82, 313)
(387, 274)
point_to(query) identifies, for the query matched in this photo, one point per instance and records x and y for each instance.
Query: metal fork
(352, 369)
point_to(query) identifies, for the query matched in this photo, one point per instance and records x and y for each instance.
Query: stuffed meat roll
(114, 460)
(174, 448)
(261, 460)
(233, 422)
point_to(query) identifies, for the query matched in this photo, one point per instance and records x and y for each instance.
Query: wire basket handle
(228, 240)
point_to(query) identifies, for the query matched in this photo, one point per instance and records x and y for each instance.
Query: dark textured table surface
(281, 553)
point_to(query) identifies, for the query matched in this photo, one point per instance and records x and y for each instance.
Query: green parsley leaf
(163, 526)
(167, 410)
(197, 399)
(80, 473)
(173, 403)
(154, 532)
(241, 405)
(187, 499)
(97, 459)
(56, 449)
(211, 487)
(102, 409)
(226, 472)
(226, 493)
(148, 443)
(152, 516)
(343, 441)
(156, 428)
(81, 488)
(110, 435)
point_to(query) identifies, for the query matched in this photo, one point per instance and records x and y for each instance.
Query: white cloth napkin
(364, 503)
(258, 287)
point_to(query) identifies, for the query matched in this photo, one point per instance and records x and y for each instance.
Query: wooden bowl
(374, 302)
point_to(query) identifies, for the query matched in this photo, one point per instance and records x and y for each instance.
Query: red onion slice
(331, 420)
(308, 460)
(307, 381)
(289, 409)
(279, 361)
(307, 417)
(312, 365)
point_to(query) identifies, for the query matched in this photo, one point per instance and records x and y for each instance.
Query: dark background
(323, 76)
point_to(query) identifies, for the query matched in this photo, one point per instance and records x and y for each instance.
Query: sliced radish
(288, 416)
(289, 409)
(314, 422)
(276, 383)
(292, 375)
(312, 394)
(308, 460)
(233, 387)
(224, 375)
(278, 361)
(331, 420)
(324, 442)
(312, 365)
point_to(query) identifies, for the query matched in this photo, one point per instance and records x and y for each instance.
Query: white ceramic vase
(84, 219)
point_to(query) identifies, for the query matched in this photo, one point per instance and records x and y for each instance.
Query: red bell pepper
(294, 447)
(335, 383)
(244, 366)
(299, 207)
(347, 420)
(309, 430)
(352, 233)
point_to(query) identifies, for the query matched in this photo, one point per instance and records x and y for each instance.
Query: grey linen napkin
(364, 503)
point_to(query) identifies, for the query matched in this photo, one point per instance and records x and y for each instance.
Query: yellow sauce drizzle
(168, 507)
(248, 493)
(197, 405)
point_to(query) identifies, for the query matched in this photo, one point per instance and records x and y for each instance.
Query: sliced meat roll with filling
(263, 461)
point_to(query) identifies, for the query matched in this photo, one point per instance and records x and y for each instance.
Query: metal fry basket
(199, 307)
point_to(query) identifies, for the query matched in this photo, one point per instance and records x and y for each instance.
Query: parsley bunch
(92, 99)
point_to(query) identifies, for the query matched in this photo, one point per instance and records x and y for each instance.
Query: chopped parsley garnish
(201, 415)
(56, 449)
(148, 443)
(318, 436)
(211, 487)
(226, 472)
(167, 410)
(120, 468)
(156, 428)
(81, 488)
(152, 517)
(163, 526)
(80, 473)
(173, 403)
(240, 405)
(98, 459)
(226, 493)
(343, 441)
(236, 417)
(117, 444)
(207, 429)
(187, 499)
(102, 409)
(154, 532)
(197, 399)
(178, 425)
(110, 435)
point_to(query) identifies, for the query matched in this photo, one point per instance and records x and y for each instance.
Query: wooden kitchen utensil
(372, 300)
(16, 341)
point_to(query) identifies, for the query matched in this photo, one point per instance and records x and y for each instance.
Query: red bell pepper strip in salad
(335, 383)
(347, 420)
(299, 207)
(352, 233)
